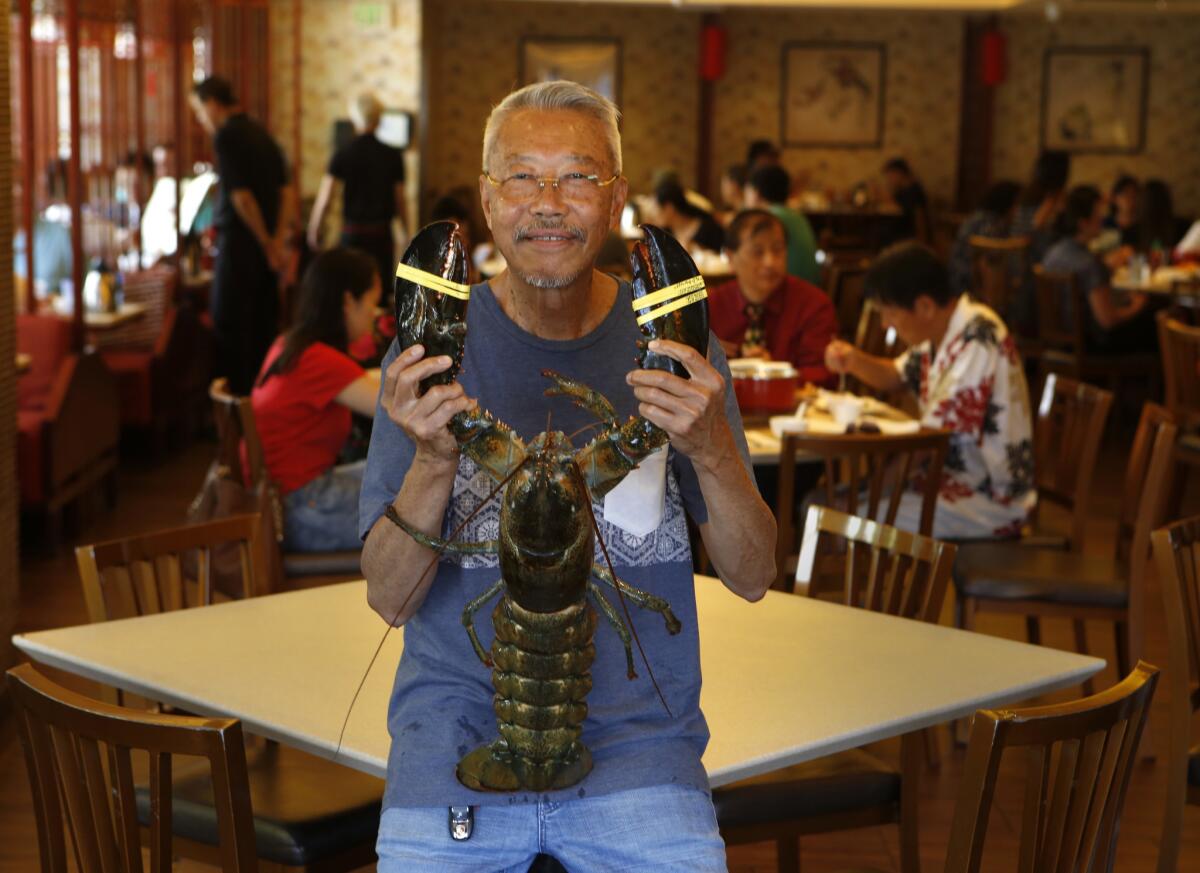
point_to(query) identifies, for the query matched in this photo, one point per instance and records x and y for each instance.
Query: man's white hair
(556, 95)
(365, 110)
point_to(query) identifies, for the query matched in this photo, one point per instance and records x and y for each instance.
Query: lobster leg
(445, 547)
(614, 618)
(644, 599)
(581, 395)
(468, 619)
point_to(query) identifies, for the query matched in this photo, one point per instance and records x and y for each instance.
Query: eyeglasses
(523, 187)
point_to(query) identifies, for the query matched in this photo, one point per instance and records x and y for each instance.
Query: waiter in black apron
(255, 209)
(372, 177)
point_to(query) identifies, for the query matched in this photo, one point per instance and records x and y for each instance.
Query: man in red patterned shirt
(962, 366)
(764, 312)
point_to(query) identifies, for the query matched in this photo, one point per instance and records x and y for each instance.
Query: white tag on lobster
(636, 505)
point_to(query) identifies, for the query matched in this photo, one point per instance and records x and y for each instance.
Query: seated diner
(963, 369)
(765, 313)
(305, 392)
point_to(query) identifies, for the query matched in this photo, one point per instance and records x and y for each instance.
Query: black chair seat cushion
(996, 571)
(305, 808)
(836, 783)
(1194, 767)
(322, 563)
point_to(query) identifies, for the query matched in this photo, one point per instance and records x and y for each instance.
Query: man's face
(550, 241)
(914, 325)
(1091, 228)
(203, 110)
(760, 262)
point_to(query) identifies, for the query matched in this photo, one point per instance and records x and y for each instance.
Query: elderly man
(645, 804)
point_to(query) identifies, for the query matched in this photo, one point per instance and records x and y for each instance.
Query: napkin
(636, 505)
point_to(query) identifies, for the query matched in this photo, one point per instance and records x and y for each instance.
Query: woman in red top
(305, 393)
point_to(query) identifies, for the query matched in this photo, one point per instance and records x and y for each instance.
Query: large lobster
(544, 623)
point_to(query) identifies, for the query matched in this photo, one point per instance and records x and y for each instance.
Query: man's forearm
(740, 531)
(247, 209)
(879, 373)
(398, 570)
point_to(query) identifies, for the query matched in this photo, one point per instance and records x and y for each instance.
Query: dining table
(786, 679)
(1181, 284)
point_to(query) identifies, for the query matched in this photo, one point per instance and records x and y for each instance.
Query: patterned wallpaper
(924, 63)
(1173, 112)
(348, 47)
(474, 62)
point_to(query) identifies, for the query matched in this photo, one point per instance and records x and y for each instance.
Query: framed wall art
(832, 94)
(1094, 99)
(595, 63)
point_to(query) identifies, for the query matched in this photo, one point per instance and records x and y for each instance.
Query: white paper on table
(636, 505)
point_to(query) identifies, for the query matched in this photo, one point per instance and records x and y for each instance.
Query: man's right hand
(839, 356)
(424, 416)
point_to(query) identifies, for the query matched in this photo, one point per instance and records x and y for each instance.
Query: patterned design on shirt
(975, 386)
(472, 485)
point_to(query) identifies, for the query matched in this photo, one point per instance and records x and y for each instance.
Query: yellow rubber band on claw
(687, 286)
(671, 307)
(432, 281)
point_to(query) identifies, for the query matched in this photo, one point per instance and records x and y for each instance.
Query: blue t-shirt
(1069, 255)
(441, 705)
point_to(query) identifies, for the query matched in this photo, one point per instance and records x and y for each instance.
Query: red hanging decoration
(993, 52)
(712, 52)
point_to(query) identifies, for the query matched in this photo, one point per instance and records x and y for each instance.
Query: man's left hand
(691, 411)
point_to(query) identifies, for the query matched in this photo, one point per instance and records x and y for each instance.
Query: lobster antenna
(572, 436)
(437, 554)
(620, 596)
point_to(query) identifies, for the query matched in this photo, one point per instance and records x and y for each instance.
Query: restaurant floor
(155, 496)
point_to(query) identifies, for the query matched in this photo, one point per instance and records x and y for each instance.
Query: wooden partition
(100, 109)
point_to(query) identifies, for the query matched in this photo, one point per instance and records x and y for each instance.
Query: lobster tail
(431, 297)
(660, 262)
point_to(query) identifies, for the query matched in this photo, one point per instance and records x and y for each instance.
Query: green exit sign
(370, 15)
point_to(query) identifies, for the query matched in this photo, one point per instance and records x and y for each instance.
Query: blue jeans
(322, 516)
(662, 828)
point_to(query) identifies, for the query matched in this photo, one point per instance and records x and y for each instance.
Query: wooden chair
(68, 421)
(873, 469)
(1179, 345)
(1067, 429)
(875, 339)
(309, 813)
(1062, 335)
(845, 289)
(236, 427)
(886, 570)
(998, 268)
(1078, 758)
(1177, 559)
(69, 739)
(1046, 583)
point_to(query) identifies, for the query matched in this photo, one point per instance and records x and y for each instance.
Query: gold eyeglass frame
(553, 180)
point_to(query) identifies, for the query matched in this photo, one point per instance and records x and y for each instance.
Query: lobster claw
(659, 262)
(431, 297)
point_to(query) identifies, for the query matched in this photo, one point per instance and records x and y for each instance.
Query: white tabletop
(785, 680)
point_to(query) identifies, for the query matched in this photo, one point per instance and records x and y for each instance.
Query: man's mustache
(539, 228)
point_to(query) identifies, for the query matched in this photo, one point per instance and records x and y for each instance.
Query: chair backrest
(1177, 559)
(170, 569)
(79, 754)
(997, 269)
(845, 289)
(1061, 315)
(1148, 472)
(875, 339)
(237, 431)
(1179, 345)
(47, 341)
(885, 465)
(1066, 442)
(1078, 759)
(886, 569)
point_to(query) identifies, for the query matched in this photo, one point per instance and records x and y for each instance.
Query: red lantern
(712, 52)
(993, 50)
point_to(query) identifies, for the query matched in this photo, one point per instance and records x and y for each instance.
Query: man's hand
(424, 418)
(839, 356)
(759, 352)
(691, 411)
